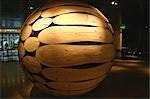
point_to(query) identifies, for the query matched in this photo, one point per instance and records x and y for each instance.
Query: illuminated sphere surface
(66, 48)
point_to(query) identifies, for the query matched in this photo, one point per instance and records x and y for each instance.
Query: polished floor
(129, 78)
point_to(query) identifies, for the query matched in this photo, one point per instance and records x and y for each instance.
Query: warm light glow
(10, 30)
(31, 8)
(113, 2)
(68, 48)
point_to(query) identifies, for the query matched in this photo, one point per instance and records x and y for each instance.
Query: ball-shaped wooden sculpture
(66, 47)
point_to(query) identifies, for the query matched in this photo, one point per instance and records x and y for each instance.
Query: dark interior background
(133, 13)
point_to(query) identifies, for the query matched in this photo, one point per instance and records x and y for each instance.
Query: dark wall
(134, 13)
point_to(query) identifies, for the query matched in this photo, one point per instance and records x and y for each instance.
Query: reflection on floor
(12, 78)
(127, 79)
(9, 55)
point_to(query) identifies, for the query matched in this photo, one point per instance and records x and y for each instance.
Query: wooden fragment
(31, 64)
(79, 19)
(21, 50)
(28, 75)
(75, 85)
(101, 14)
(31, 44)
(68, 9)
(39, 79)
(110, 28)
(33, 14)
(69, 74)
(71, 93)
(41, 87)
(33, 17)
(41, 24)
(26, 32)
(65, 34)
(63, 55)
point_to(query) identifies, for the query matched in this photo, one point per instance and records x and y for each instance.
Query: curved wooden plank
(28, 75)
(65, 34)
(75, 85)
(61, 92)
(62, 55)
(79, 19)
(63, 3)
(21, 50)
(101, 14)
(41, 24)
(33, 17)
(69, 74)
(110, 28)
(26, 32)
(68, 9)
(71, 93)
(39, 79)
(31, 44)
(31, 64)
(42, 87)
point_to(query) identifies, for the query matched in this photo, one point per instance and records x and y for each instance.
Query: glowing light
(123, 26)
(113, 2)
(10, 30)
(31, 8)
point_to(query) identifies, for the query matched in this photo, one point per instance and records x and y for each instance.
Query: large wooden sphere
(66, 47)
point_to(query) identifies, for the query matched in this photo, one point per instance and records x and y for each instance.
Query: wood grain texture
(31, 44)
(65, 34)
(110, 28)
(66, 47)
(71, 93)
(39, 79)
(68, 9)
(68, 55)
(31, 64)
(21, 50)
(101, 14)
(42, 87)
(26, 32)
(79, 19)
(62, 92)
(28, 75)
(33, 17)
(69, 74)
(75, 85)
(41, 24)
